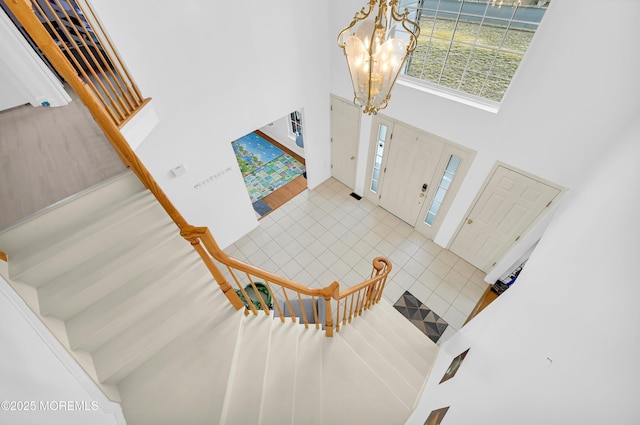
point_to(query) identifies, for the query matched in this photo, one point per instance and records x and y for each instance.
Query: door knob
(469, 221)
(353, 157)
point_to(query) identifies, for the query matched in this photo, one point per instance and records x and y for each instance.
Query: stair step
(185, 383)
(351, 393)
(381, 339)
(279, 390)
(390, 370)
(122, 308)
(242, 405)
(78, 211)
(308, 401)
(139, 343)
(58, 257)
(415, 345)
(70, 294)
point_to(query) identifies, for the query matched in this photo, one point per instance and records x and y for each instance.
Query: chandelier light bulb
(376, 47)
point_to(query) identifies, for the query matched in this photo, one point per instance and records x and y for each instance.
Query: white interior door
(507, 207)
(412, 159)
(345, 135)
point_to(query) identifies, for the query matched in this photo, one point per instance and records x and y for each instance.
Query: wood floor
(282, 195)
(48, 154)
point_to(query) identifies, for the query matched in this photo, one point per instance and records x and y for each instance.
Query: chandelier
(376, 50)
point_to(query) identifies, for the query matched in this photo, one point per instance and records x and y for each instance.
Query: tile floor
(324, 235)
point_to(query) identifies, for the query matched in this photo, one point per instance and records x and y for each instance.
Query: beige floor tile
(464, 304)
(448, 257)
(439, 268)
(454, 317)
(464, 268)
(430, 280)
(455, 279)
(324, 235)
(436, 304)
(446, 292)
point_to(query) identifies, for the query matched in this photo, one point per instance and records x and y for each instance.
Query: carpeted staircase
(110, 276)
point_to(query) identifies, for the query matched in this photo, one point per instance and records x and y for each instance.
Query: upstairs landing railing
(102, 83)
(73, 26)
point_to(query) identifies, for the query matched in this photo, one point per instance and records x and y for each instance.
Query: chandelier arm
(373, 52)
(414, 31)
(359, 16)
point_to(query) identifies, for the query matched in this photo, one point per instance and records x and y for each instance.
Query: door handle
(424, 188)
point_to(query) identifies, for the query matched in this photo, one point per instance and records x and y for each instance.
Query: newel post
(331, 291)
(193, 235)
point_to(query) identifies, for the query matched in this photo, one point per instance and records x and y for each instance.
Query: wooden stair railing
(112, 114)
(361, 297)
(24, 12)
(353, 301)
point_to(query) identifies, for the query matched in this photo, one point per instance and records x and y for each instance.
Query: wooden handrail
(379, 264)
(192, 233)
(23, 11)
(368, 292)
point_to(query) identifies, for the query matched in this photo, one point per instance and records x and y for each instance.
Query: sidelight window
(377, 158)
(443, 187)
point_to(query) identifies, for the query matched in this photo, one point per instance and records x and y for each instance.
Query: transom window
(472, 47)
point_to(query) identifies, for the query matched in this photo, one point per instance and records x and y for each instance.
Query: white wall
(279, 130)
(577, 81)
(560, 346)
(217, 71)
(24, 78)
(35, 368)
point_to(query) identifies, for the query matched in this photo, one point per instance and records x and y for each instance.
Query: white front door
(345, 135)
(507, 207)
(412, 159)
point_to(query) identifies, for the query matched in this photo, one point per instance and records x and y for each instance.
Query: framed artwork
(436, 416)
(454, 366)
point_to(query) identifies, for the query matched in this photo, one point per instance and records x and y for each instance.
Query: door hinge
(391, 136)
(379, 196)
(332, 140)
(385, 170)
(549, 203)
(493, 264)
(331, 107)
(518, 238)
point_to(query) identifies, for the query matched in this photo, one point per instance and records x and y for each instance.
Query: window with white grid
(471, 47)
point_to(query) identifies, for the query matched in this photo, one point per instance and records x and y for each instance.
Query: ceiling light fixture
(376, 50)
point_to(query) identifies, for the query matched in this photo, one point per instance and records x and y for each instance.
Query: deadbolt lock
(424, 188)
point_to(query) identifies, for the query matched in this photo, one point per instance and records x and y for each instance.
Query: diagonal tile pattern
(324, 234)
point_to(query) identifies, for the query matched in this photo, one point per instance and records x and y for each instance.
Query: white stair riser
(61, 219)
(64, 299)
(121, 310)
(92, 250)
(130, 349)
